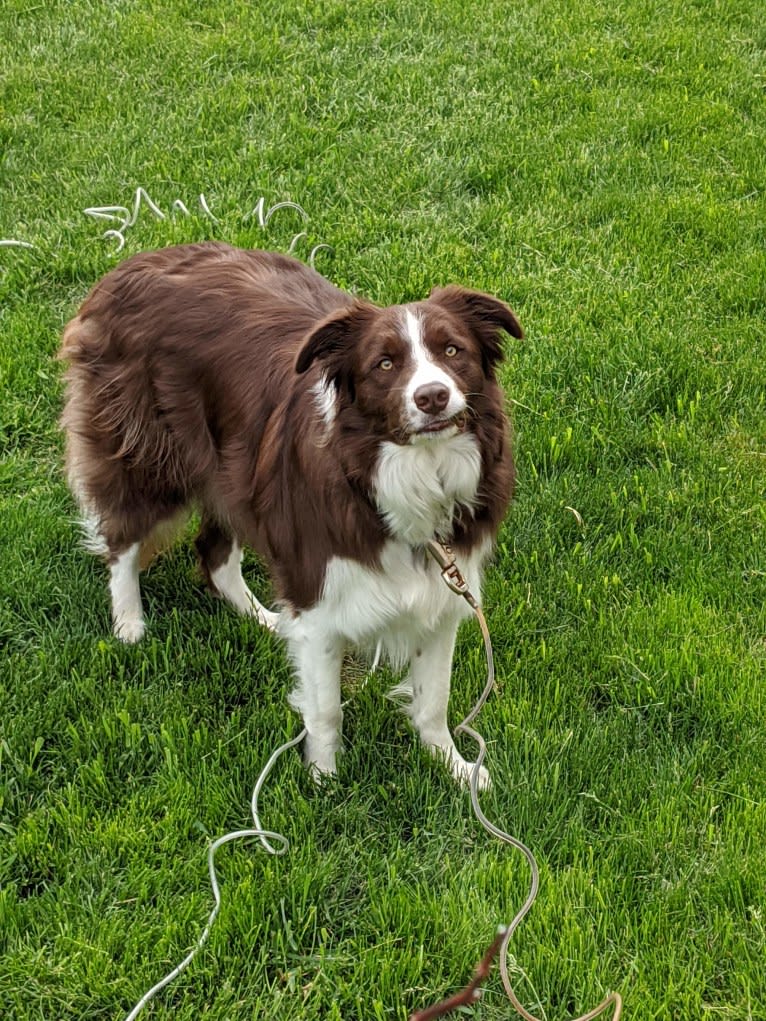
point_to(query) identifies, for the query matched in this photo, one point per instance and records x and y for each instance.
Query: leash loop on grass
(257, 831)
(127, 218)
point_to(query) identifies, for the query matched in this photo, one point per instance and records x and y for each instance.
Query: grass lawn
(601, 167)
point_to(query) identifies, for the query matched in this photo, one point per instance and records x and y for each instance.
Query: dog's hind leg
(221, 559)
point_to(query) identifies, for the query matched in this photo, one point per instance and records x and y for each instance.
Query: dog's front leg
(430, 673)
(318, 660)
(127, 612)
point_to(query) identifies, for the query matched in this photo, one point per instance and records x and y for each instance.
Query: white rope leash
(126, 217)
(614, 999)
(454, 579)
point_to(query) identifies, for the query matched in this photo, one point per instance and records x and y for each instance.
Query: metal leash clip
(455, 579)
(451, 573)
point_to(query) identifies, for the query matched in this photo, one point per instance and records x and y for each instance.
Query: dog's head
(414, 371)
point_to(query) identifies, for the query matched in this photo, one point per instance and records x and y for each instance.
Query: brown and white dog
(333, 437)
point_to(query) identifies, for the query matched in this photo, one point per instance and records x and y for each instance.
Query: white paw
(251, 607)
(320, 776)
(463, 772)
(319, 758)
(267, 618)
(129, 629)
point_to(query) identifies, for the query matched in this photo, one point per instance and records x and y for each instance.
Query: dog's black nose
(431, 398)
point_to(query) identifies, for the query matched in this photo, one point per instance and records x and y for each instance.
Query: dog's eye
(385, 364)
(451, 350)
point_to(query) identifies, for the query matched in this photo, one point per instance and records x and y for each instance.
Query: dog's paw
(267, 618)
(323, 780)
(485, 780)
(319, 759)
(463, 772)
(129, 629)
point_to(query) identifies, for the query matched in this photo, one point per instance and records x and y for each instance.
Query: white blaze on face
(426, 372)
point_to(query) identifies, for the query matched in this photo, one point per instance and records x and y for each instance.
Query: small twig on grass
(471, 993)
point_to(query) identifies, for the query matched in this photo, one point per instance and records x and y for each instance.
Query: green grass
(602, 167)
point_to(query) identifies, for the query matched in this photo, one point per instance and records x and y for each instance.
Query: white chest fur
(419, 487)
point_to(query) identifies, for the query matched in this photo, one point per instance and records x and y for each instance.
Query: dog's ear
(332, 343)
(484, 316)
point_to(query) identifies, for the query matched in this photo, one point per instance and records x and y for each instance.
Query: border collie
(333, 437)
